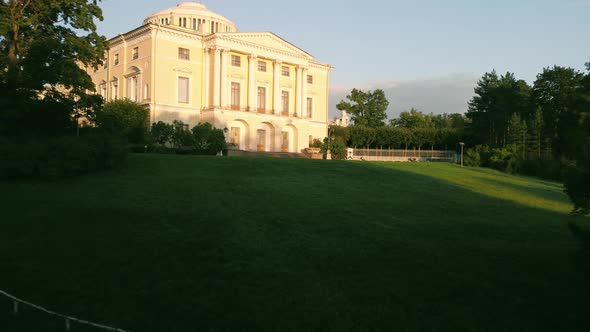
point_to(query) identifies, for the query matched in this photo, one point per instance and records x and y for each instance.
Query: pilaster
(252, 83)
(216, 77)
(276, 104)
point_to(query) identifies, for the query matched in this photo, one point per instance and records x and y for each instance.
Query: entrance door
(261, 140)
(285, 145)
(235, 136)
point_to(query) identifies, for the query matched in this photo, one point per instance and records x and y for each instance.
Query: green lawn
(184, 243)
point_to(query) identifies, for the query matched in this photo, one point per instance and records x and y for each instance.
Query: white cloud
(448, 94)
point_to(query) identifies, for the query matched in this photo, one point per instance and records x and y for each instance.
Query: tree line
(541, 130)
(412, 130)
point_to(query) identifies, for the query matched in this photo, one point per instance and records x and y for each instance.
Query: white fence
(67, 319)
(401, 155)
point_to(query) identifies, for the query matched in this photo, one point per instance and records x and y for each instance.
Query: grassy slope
(182, 243)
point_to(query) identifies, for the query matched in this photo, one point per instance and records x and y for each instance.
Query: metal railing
(403, 155)
(67, 319)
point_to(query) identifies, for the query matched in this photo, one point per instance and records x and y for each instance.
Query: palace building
(190, 64)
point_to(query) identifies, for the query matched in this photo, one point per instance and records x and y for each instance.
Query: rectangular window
(261, 99)
(137, 85)
(236, 61)
(135, 54)
(194, 24)
(184, 53)
(212, 27)
(116, 60)
(286, 71)
(235, 96)
(309, 79)
(285, 102)
(309, 107)
(262, 66)
(183, 89)
(133, 89)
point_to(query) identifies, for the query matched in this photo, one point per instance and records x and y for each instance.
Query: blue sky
(426, 54)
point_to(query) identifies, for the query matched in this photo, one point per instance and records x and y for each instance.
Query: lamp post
(328, 152)
(462, 145)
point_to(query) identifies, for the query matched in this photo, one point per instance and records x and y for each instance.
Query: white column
(224, 87)
(298, 91)
(252, 83)
(276, 105)
(304, 94)
(207, 69)
(216, 77)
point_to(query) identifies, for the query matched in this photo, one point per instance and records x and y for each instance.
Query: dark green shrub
(61, 156)
(316, 143)
(477, 156)
(577, 186)
(207, 140)
(181, 136)
(337, 148)
(505, 159)
(161, 133)
(125, 118)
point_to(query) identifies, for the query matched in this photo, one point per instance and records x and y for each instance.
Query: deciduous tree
(43, 46)
(367, 108)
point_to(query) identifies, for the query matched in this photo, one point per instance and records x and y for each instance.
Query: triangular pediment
(267, 40)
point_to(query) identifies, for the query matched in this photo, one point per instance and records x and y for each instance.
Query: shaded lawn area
(184, 243)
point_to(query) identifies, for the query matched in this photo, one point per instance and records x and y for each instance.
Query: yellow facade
(190, 64)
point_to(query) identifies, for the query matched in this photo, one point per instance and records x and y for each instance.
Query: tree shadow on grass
(582, 259)
(299, 245)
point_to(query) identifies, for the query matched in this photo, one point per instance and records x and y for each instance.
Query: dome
(193, 16)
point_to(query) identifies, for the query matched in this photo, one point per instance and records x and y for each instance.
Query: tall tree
(496, 99)
(556, 91)
(367, 108)
(577, 178)
(517, 134)
(43, 44)
(535, 135)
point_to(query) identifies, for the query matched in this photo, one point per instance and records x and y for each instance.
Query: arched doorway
(289, 139)
(239, 134)
(264, 137)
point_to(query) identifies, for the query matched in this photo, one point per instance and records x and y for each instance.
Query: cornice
(145, 32)
(225, 40)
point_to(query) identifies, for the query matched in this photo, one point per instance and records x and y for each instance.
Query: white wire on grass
(68, 319)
